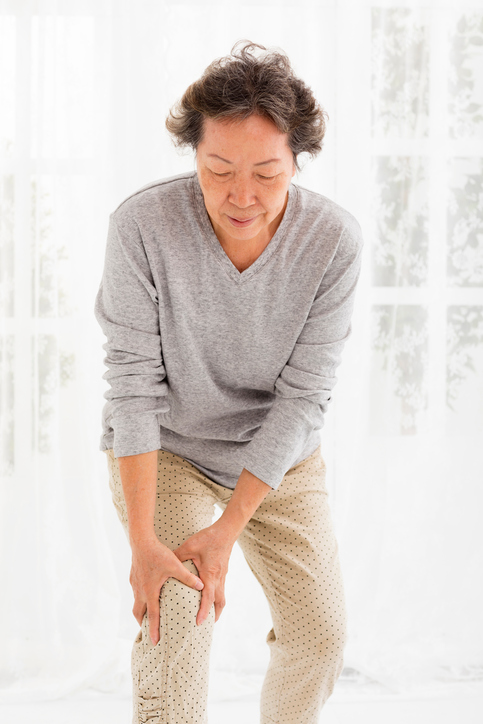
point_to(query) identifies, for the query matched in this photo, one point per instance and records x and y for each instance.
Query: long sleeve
(303, 388)
(127, 309)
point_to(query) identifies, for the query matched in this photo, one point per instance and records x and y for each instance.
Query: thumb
(189, 578)
(185, 576)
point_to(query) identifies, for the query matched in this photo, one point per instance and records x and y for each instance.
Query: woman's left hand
(210, 551)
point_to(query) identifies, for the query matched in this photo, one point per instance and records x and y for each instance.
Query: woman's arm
(247, 496)
(211, 547)
(152, 561)
(127, 309)
(138, 478)
(304, 387)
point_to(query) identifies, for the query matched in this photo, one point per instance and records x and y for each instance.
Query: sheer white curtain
(84, 90)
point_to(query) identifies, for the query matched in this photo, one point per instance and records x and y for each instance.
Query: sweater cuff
(281, 438)
(135, 434)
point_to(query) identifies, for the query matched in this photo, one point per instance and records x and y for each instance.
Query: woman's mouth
(246, 222)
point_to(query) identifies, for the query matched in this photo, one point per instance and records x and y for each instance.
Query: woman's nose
(242, 194)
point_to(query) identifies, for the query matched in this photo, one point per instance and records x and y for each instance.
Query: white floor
(464, 709)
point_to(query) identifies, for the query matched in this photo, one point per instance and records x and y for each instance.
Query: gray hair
(239, 85)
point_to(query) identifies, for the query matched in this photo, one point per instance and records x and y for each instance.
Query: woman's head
(242, 84)
(244, 170)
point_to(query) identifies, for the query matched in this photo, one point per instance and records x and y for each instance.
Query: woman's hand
(152, 564)
(210, 551)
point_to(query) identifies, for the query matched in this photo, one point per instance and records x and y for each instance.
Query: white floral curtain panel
(84, 90)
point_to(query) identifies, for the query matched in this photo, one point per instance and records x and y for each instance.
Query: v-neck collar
(214, 242)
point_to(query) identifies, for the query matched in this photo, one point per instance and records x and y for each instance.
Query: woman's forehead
(224, 138)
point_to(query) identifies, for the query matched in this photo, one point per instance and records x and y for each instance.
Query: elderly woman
(226, 300)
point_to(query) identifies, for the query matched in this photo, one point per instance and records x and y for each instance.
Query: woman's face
(244, 169)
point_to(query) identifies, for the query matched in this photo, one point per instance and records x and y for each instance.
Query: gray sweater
(227, 369)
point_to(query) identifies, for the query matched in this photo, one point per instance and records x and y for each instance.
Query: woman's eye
(267, 178)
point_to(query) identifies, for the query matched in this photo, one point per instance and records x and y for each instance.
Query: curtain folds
(84, 91)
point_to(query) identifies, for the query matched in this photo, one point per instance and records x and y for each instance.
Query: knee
(329, 646)
(328, 637)
(180, 600)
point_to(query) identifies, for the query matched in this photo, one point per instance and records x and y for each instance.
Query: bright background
(85, 86)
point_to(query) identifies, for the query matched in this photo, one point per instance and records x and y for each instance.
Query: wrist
(139, 538)
(229, 525)
(245, 499)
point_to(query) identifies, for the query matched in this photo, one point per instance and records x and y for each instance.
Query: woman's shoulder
(325, 208)
(167, 192)
(321, 214)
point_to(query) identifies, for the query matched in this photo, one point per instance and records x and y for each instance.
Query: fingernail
(200, 585)
(202, 620)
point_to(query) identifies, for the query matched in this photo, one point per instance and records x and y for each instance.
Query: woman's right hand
(152, 564)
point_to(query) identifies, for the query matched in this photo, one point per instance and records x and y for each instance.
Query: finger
(153, 620)
(188, 578)
(207, 598)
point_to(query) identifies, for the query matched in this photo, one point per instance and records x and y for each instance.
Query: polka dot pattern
(290, 546)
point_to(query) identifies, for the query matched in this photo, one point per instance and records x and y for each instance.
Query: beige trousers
(290, 546)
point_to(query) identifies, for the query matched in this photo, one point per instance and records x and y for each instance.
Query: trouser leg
(170, 679)
(290, 546)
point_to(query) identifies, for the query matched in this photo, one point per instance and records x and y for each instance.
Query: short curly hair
(242, 84)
